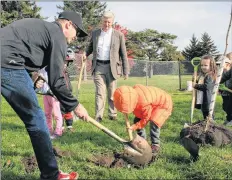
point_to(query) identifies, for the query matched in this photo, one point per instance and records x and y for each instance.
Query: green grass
(173, 162)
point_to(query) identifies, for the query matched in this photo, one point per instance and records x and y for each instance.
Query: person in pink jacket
(51, 107)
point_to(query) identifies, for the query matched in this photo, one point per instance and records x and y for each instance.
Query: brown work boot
(155, 149)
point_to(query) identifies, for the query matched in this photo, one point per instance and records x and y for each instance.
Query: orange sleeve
(146, 114)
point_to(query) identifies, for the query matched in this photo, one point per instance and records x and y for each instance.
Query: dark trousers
(154, 132)
(206, 113)
(17, 89)
(227, 106)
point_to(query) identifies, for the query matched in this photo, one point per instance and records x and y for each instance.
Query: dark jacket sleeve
(207, 85)
(226, 76)
(207, 89)
(56, 78)
(89, 49)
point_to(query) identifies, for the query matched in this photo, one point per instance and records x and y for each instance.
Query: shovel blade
(191, 147)
(141, 157)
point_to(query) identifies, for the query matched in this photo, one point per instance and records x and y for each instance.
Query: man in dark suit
(109, 63)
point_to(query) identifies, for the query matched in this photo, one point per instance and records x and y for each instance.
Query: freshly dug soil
(115, 160)
(31, 165)
(216, 135)
(108, 160)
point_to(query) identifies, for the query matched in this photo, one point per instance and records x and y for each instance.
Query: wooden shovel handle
(106, 130)
(81, 72)
(193, 96)
(128, 127)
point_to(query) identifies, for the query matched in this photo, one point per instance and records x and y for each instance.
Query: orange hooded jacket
(146, 102)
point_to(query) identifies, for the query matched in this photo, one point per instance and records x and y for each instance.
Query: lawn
(173, 161)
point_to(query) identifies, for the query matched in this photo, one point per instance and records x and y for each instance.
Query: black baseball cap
(76, 19)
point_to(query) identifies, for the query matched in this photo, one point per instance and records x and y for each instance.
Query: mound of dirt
(216, 135)
(194, 135)
(59, 153)
(31, 165)
(108, 160)
(115, 160)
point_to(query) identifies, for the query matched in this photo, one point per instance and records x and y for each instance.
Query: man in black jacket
(29, 45)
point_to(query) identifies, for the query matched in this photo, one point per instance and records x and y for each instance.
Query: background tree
(91, 12)
(207, 45)
(193, 50)
(200, 48)
(149, 45)
(15, 10)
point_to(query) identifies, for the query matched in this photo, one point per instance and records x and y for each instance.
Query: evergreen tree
(207, 45)
(91, 12)
(15, 10)
(149, 43)
(193, 50)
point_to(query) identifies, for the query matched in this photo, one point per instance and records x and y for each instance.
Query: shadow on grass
(11, 126)
(9, 175)
(196, 176)
(179, 159)
(173, 139)
(8, 114)
(10, 153)
(96, 138)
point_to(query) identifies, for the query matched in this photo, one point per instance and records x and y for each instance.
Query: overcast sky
(182, 19)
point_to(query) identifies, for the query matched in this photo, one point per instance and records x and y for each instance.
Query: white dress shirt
(103, 48)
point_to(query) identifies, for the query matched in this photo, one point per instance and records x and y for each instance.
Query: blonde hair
(108, 14)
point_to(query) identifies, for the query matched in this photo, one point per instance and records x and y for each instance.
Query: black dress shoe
(113, 117)
(99, 119)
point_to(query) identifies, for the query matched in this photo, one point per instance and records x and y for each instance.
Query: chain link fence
(179, 73)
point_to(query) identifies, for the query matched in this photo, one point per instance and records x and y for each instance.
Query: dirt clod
(30, 163)
(59, 153)
(115, 160)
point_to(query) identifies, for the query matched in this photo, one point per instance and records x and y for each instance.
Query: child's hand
(39, 83)
(133, 127)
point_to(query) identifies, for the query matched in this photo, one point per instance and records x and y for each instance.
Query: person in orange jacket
(148, 104)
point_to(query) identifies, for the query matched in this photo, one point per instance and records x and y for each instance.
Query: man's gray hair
(108, 14)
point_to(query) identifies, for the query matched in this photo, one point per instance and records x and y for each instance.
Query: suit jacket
(118, 55)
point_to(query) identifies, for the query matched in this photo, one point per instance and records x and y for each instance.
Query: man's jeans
(154, 132)
(17, 89)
